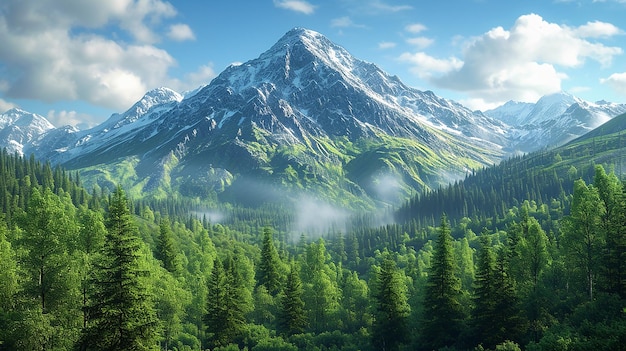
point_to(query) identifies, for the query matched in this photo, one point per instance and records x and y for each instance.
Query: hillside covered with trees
(95, 270)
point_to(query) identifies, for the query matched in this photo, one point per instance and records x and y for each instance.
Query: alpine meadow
(308, 200)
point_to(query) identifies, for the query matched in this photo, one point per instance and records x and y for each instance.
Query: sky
(76, 62)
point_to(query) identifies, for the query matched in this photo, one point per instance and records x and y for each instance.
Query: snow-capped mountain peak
(19, 128)
(553, 120)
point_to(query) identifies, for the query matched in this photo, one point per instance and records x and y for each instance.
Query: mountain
(19, 128)
(553, 121)
(306, 115)
(68, 143)
(545, 178)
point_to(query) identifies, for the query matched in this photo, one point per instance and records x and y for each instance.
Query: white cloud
(415, 28)
(420, 42)
(180, 32)
(53, 51)
(5, 106)
(597, 29)
(521, 63)
(72, 118)
(480, 104)
(295, 5)
(193, 80)
(425, 66)
(341, 22)
(378, 5)
(386, 45)
(617, 81)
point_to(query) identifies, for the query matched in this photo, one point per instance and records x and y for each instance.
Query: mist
(317, 218)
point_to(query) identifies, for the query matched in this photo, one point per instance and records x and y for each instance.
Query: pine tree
(121, 313)
(391, 308)
(483, 314)
(165, 251)
(443, 313)
(507, 312)
(269, 267)
(292, 316)
(217, 311)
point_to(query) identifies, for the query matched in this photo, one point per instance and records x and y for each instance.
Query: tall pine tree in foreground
(268, 274)
(121, 313)
(391, 308)
(292, 316)
(443, 315)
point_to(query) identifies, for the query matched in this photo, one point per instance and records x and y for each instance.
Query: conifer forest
(538, 263)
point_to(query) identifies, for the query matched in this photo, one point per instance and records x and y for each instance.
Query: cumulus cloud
(73, 118)
(53, 50)
(193, 80)
(295, 5)
(5, 106)
(617, 81)
(415, 28)
(420, 42)
(426, 66)
(521, 63)
(180, 32)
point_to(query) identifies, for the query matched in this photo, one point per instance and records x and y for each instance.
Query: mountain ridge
(308, 116)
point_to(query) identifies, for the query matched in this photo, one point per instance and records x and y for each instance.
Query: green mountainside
(539, 177)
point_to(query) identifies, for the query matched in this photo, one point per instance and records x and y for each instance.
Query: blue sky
(77, 62)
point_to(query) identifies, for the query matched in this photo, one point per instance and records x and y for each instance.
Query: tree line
(95, 270)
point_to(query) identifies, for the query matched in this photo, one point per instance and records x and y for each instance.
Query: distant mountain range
(552, 121)
(304, 117)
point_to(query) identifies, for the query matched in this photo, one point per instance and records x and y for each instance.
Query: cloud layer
(53, 51)
(522, 63)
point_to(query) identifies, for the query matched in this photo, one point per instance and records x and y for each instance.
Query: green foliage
(292, 315)
(165, 251)
(269, 274)
(528, 290)
(121, 312)
(443, 317)
(391, 307)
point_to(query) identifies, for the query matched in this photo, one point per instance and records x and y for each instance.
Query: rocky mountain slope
(18, 129)
(303, 118)
(553, 121)
(305, 115)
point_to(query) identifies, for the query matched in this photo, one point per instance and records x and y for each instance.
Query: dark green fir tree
(268, 273)
(391, 307)
(443, 314)
(292, 315)
(121, 314)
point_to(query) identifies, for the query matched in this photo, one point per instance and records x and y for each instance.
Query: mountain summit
(553, 120)
(19, 128)
(303, 117)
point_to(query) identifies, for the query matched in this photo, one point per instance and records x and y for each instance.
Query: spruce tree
(269, 267)
(292, 316)
(507, 311)
(390, 330)
(443, 314)
(165, 251)
(483, 329)
(121, 313)
(216, 310)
